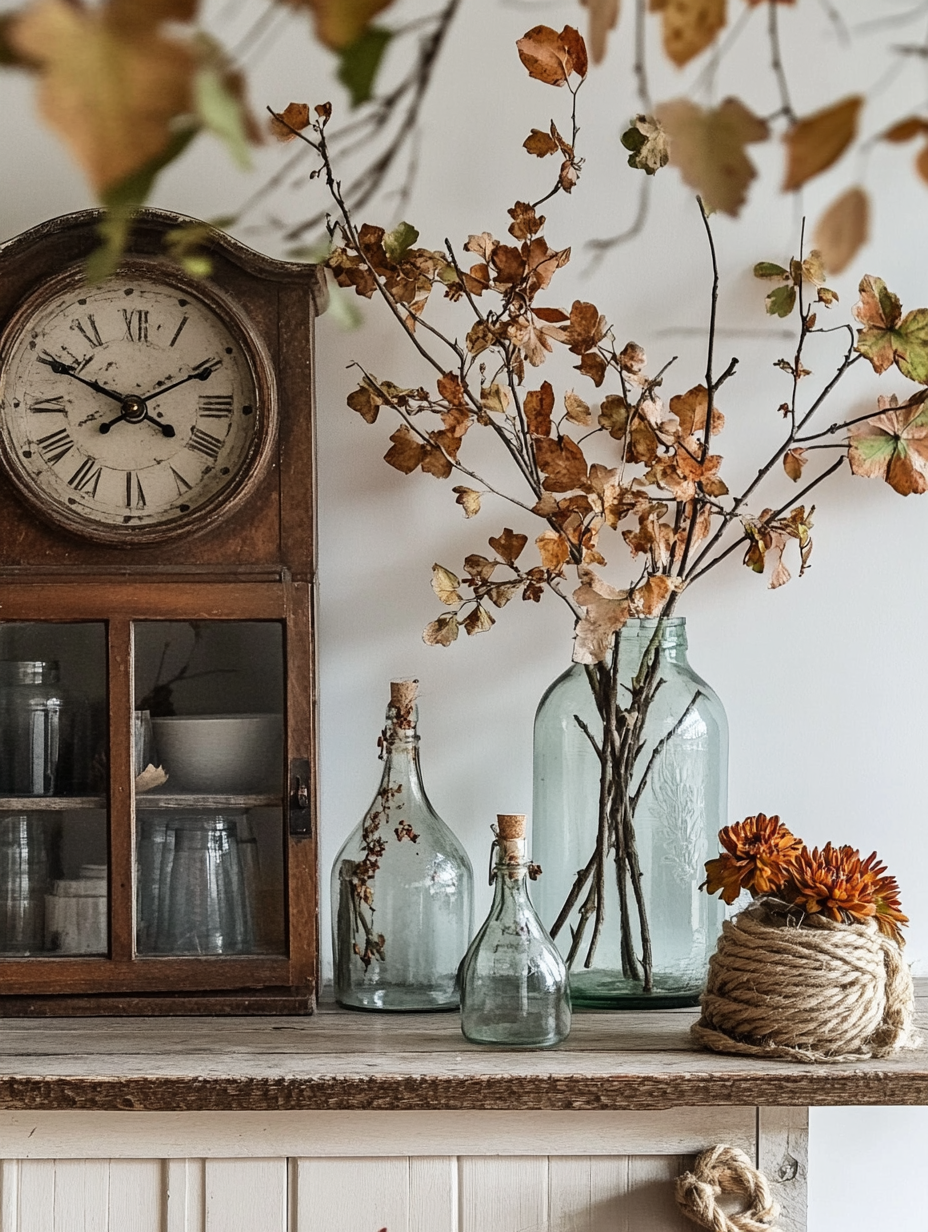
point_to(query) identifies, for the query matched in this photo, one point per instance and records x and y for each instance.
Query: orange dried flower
(889, 914)
(759, 855)
(838, 883)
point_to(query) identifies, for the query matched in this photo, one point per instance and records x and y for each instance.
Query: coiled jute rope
(821, 991)
(726, 1170)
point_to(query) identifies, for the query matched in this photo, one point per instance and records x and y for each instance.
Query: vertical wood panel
(36, 1212)
(121, 793)
(183, 1182)
(81, 1188)
(650, 1205)
(9, 1195)
(433, 1194)
(353, 1195)
(782, 1155)
(136, 1199)
(502, 1193)
(246, 1195)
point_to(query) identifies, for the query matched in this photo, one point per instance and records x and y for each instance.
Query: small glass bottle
(514, 985)
(402, 887)
(31, 710)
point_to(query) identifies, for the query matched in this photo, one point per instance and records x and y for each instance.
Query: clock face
(135, 409)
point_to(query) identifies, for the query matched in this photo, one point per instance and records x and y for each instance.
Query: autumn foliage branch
(659, 482)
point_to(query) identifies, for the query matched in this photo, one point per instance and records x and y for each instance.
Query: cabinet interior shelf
(60, 804)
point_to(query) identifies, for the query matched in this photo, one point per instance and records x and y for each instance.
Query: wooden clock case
(257, 563)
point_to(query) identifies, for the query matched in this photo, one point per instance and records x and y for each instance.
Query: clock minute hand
(202, 372)
(61, 369)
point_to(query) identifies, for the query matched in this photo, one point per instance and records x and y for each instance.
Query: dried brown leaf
(478, 620)
(445, 584)
(553, 549)
(538, 405)
(604, 16)
(468, 499)
(593, 365)
(843, 228)
(578, 411)
(546, 55)
(793, 462)
(508, 546)
(540, 143)
(406, 452)
(562, 462)
(112, 89)
(689, 26)
(816, 142)
(295, 116)
(708, 146)
(441, 632)
(606, 610)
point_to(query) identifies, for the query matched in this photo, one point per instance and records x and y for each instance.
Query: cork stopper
(403, 693)
(510, 826)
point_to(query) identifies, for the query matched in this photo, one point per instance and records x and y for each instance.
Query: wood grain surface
(342, 1061)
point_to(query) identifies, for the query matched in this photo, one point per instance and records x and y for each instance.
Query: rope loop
(726, 1170)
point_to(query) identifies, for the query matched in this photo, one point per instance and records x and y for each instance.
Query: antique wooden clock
(157, 673)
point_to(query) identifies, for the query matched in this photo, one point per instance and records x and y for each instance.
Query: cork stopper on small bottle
(403, 693)
(510, 826)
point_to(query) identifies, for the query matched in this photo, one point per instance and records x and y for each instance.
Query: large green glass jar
(654, 821)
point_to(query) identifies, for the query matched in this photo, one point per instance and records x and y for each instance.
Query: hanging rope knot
(726, 1170)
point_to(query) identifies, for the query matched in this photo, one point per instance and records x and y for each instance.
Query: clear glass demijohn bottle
(514, 985)
(677, 798)
(402, 887)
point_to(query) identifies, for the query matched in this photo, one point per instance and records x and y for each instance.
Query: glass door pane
(208, 728)
(53, 784)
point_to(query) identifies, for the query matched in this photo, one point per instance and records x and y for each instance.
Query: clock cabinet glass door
(156, 798)
(53, 789)
(208, 747)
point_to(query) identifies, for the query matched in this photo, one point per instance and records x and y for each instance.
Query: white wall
(823, 680)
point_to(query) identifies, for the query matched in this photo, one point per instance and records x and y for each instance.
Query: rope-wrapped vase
(819, 991)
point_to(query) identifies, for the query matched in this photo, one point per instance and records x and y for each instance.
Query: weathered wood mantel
(338, 1060)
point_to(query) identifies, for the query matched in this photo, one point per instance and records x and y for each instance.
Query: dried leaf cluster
(127, 85)
(620, 450)
(761, 856)
(655, 476)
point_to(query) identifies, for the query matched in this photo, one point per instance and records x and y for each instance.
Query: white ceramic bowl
(220, 754)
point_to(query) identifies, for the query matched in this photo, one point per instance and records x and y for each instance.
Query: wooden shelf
(49, 804)
(161, 800)
(342, 1060)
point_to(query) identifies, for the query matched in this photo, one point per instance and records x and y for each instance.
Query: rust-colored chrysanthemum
(838, 883)
(889, 914)
(758, 856)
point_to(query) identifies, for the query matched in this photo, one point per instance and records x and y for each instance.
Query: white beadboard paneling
(433, 1194)
(9, 1195)
(246, 1195)
(36, 1211)
(649, 1204)
(502, 1194)
(226, 1135)
(352, 1195)
(81, 1188)
(136, 1195)
(184, 1184)
(586, 1193)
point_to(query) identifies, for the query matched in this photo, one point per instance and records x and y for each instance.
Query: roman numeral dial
(132, 406)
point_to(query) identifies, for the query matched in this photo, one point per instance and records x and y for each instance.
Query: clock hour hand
(61, 369)
(202, 372)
